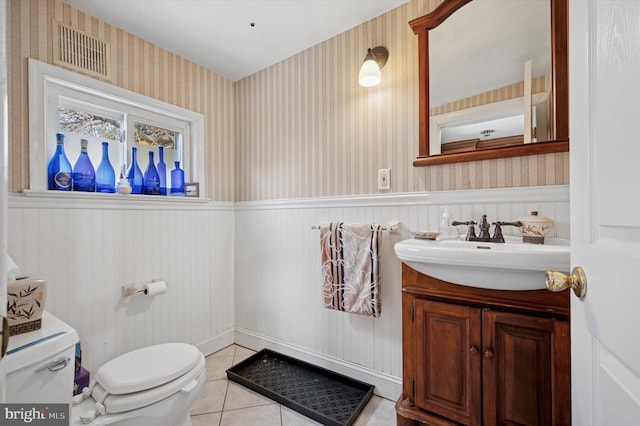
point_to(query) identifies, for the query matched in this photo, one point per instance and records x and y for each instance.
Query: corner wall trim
(213, 344)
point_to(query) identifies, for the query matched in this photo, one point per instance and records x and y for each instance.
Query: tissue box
(25, 303)
(80, 381)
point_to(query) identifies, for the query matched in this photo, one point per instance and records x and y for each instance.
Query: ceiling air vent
(81, 52)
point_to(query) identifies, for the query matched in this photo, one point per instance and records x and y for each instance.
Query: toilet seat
(144, 377)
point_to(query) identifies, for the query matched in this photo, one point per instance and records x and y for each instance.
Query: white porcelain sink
(513, 265)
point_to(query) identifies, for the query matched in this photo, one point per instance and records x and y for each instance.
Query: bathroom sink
(513, 265)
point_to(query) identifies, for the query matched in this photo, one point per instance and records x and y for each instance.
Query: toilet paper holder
(157, 286)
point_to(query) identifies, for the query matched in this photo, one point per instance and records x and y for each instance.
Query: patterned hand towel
(350, 270)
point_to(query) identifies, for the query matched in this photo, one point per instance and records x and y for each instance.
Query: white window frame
(47, 82)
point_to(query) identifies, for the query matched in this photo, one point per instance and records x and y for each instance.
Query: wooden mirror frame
(560, 89)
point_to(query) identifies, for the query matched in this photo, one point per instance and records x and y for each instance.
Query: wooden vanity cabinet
(483, 357)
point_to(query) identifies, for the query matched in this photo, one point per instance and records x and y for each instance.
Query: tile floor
(226, 403)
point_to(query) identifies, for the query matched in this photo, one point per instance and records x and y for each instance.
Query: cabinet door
(448, 360)
(525, 370)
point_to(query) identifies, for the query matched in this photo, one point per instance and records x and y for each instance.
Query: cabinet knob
(473, 349)
(488, 353)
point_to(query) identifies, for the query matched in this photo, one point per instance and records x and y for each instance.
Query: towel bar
(393, 228)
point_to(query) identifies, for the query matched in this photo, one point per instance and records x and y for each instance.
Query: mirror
(487, 91)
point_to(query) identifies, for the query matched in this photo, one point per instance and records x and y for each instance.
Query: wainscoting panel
(278, 282)
(86, 248)
(245, 272)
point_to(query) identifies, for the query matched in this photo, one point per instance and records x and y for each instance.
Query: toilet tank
(40, 364)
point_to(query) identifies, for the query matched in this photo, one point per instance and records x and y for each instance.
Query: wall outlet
(384, 179)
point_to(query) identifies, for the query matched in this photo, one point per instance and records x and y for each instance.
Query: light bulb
(369, 74)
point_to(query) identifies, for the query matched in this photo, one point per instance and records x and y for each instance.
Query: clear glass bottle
(59, 169)
(105, 175)
(84, 175)
(177, 180)
(447, 231)
(151, 180)
(134, 174)
(162, 171)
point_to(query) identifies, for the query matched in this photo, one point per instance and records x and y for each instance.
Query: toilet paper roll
(155, 288)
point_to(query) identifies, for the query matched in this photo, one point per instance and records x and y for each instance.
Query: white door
(604, 87)
(3, 178)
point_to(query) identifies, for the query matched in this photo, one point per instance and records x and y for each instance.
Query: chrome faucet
(484, 226)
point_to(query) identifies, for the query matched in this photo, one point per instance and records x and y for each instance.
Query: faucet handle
(497, 233)
(456, 223)
(517, 224)
(471, 231)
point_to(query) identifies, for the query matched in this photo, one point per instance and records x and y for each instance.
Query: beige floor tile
(212, 419)
(211, 399)
(241, 397)
(293, 418)
(265, 415)
(228, 351)
(242, 354)
(217, 367)
(378, 412)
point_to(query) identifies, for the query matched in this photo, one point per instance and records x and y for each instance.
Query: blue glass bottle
(134, 174)
(162, 171)
(59, 169)
(105, 175)
(151, 180)
(84, 175)
(177, 180)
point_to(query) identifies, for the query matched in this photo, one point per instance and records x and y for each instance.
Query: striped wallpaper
(136, 65)
(538, 85)
(307, 129)
(300, 128)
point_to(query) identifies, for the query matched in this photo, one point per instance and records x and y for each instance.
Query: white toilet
(155, 385)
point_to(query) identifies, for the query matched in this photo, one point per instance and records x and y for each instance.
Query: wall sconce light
(370, 70)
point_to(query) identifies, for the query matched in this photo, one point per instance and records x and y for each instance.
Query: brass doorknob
(557, 281)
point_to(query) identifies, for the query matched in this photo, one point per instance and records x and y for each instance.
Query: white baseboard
(215, 343)
(386, 386)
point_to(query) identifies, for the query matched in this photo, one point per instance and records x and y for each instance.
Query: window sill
(92, 200)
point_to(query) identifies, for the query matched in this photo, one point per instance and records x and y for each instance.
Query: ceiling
(219, 35)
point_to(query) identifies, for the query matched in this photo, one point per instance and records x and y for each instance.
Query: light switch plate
(384, 179)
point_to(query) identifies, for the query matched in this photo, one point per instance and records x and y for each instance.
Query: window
(61, 101)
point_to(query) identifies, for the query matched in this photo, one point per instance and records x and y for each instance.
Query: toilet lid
(147, 367)
(132, 401)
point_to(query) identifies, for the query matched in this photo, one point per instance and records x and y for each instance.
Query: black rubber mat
(326, 397)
